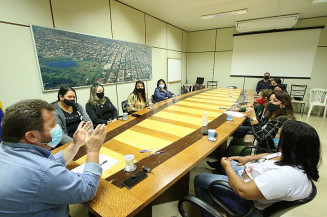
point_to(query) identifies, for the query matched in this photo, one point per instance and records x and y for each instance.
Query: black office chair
(184, 90)
(278, 207)
(124, 105)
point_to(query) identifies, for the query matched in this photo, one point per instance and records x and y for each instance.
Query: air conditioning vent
(268, 23)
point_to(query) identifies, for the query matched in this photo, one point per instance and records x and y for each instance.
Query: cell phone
(206, 133)
(136, 115)
(134, 179)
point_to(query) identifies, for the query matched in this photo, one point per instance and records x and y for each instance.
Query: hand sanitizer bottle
(204, 121)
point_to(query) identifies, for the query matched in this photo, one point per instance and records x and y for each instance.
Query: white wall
(204, 56)
(19, 71)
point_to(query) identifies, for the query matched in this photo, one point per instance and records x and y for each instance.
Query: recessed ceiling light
(318, 1)
(223, 14)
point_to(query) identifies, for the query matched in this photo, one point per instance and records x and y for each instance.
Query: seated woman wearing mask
(99, 108)
(161, 92)
(285, 175)
(69, 113)
(275, 82)
(137, 100)
(237, 143)
(279, 110)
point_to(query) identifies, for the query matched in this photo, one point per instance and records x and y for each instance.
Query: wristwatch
(254, 119)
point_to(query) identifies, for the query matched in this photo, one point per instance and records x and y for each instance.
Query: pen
(149, 150)
(157, 152)
(103, 162)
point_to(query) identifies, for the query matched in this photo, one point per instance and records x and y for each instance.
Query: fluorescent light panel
(223, 14)
(318, 1)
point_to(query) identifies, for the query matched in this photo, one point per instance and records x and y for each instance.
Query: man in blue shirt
(265, 83)
(33, 181)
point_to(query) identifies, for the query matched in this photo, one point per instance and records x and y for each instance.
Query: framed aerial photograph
(77, 60)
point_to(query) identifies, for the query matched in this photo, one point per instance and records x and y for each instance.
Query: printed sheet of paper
(105, 162)
(235, 114)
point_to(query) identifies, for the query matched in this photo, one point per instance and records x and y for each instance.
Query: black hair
(287, 110)
(143, 92)
(64, 89)
(281, 86)
(22, 117)
(162, 81)
(300, 147)
(277, 80)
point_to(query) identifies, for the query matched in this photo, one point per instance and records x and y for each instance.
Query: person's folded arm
(90, 110)
(61, 186)
(159, 94)
(246, 190)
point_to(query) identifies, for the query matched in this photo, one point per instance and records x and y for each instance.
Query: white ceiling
(186, 14)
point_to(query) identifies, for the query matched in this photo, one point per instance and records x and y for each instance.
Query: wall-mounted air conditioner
(267, 23)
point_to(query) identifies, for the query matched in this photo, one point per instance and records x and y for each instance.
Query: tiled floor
(316, 208)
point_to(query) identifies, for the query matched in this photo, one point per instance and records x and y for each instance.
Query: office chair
(184, 90)
(124, 105)
(278, 207)
(212, 83)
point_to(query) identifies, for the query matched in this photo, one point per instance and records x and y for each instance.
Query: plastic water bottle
(230, 94)
(204, 121)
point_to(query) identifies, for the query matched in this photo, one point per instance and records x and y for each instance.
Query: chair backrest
(199, 80)
(184, 90)
(284, 206)
(124, 105)
(212, 83)
(298, 91)
(318, 96)
(232, 87)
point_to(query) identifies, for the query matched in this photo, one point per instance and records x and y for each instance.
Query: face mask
(272, 107)
(161, 85)
(70, 102)
(266, 77)
(276, 142)
(56, 136)
(140, 90)
(100, 95)
(260, 101)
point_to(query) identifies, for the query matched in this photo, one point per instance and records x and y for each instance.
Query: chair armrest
(198, 202)
(222, 205)
(254, 147)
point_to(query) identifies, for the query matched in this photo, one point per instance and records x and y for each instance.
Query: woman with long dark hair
(269, 178)
(100, 108)
(69, 113)
(137, 100)
(280, 109)
(161, 92)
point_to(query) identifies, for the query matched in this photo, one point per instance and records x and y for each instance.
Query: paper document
(105, 162)
(235, 114)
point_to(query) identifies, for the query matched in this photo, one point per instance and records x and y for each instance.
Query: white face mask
(161, 85)
(56, 136)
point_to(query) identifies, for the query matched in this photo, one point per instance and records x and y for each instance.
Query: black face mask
(70, 102)
(100, 95)
(266, 77)
(140, 90)
(272, 107)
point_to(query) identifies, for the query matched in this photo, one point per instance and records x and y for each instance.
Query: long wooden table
(172, 126)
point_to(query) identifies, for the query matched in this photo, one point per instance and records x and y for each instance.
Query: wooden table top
(169, 126)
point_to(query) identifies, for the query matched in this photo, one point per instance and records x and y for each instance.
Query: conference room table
(172, 126)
